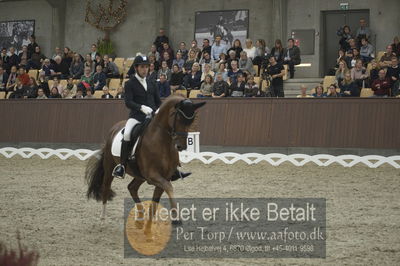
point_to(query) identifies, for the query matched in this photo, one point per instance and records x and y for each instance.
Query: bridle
(172, 132)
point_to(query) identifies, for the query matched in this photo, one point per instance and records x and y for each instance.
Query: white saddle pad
(116, 145)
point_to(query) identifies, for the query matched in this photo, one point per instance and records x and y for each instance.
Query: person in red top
(23, 77)
(381, 86)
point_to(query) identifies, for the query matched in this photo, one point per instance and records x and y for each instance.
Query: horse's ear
(198, 105)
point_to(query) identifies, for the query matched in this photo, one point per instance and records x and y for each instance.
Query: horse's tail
(94, 176)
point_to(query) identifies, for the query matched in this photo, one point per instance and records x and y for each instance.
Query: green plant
(105, 47)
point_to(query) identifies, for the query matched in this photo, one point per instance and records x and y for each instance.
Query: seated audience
(3, 79)
(41, 94)
(303, 92)
(206, 87)
(32, 46)
(245, 63)
(163, 86)
(373, 71)
(332, 93)
(56, 84)
(237, 48)
(79, 94)
(220, 88)
(12, 79)
(348, 87)
(178, 60)
(250, 49)
(152, 75)
(18, 90)
(231, 57)
(192, 81)
(54, 94)
(89, 63)
(217, 48)
(182, 49)
(251, 88)
(363, 31)
(341, 71)
(106, 93)
(176, 78)
(47, 69)
(99, 79)
(89, 94)
(168, 59)
(164, 70)
(154, 52)
(87, 76)
(393, 72)
(61, 69)
(166, 49)
(386, 59)
(23, 57)
(76, 68)
(277, 51)
(206, 59)
(13, 59)
(23, 77)
(359, 74)
(207, 71)
(234, 72)
(31, 89)
(160, 39)
(382, 85)
(222, 59)
(36, 59)
(396, 46)
(206, 48)
(221, 70)
(236, 89)
(68, 55)
(110, 68)
(346, 36)
(319, 92)
(195, 49)
(187, 67)
(366, 51)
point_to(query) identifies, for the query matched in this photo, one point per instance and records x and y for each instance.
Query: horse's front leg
(166, 185)
(152, 209)
(133, 188)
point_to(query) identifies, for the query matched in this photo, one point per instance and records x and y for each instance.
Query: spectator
(3, 79)
(70, 90)
(18, 90)
(94, 53)
(57, 85)
(163, 86)
(179, 60)
(206, 87)
(110, 68)
(386, 59)
(61, 69)
(79, 94)
(168, 50)
(237, 48)
(54, 94)
(76, 69)
(43, 83)
(106, 93)
(292, 56)
(23, 77)
(182, 49)
(393, 72)
(207, 71)
(4, 58)
(195, 49)
(348, 87)
(57, 52)
(206, 48)
(99, 78)
(36, 60)
(396, 46)
(250, 49)
(341, 57)
(222, 59)
(152, 59)
(168, 59)
(217, 48)
(13, 59)
(220, 88)
(359, 74)
(68, 56)
(222, 71)
(88, 63)
(303, 92)
(41, 94)
(164, 70)
(47, 69)
(187, 67)
(32, 46)
(152, 75)
(353, 45)
(234, 72)
(89, 94)
(245, 63)
(261, 52)
(83, 87)
(319, 92)
(176, 80)
(192, 81)
(366, 51)
(363, 31)
(356, 56)
(236, 89)
(120, 93)
(340, 72)
(332, 93)
(232, 57)
(381, 86)
(98, 61)
(276, 71)
(374, 71)
(346, 36)
(12, 79)
(206, 59)
(153, 51)
(31, 89)
(87, 76)
(251, 88)
(23, 56)
(161, 39)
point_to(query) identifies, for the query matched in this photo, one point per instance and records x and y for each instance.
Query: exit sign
(344, 6)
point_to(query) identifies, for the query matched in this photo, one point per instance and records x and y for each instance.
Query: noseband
(175, 134)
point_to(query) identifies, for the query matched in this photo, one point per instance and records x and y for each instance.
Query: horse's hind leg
(107, 193)
(133, 188)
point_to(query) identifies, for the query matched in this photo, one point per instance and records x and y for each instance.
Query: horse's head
(181, 118)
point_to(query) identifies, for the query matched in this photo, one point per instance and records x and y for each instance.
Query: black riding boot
(119, 170)
(178, 174)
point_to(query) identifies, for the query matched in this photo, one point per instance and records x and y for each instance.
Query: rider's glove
(146, 110)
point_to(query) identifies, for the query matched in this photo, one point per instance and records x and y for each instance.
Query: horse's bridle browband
(173, 133)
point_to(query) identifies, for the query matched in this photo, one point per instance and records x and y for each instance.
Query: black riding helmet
(140, 60)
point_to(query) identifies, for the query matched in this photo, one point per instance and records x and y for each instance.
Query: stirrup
(114, 174)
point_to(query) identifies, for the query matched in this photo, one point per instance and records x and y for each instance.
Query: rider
(142, 98)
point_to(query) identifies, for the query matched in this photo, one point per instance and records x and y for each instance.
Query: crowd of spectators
(212, 70)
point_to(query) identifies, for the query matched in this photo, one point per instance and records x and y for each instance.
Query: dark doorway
(332, 21)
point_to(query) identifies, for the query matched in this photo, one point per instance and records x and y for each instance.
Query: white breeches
(130, 124)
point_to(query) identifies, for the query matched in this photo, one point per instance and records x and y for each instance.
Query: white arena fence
(275, 159)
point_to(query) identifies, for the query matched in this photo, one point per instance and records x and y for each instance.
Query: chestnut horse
(156, 155)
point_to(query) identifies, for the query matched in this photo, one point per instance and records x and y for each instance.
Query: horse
(156, 156)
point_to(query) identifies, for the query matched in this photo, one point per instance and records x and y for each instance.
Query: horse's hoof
(176, 222)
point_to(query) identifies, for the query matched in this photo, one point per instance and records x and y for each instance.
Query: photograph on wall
(16, 33)
(231, 25)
